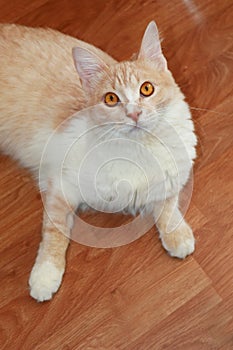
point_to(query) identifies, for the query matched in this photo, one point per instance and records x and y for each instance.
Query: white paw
(44, 280)
(179, 243)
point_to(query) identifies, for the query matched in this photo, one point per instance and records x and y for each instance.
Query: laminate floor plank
(203, 323)
(13, 9)
(129, 308)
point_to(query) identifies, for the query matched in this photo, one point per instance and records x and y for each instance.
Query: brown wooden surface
(133, 297)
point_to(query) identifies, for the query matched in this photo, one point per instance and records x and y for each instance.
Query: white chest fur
(128, 172)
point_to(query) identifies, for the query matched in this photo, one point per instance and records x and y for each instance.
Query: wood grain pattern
(133, 297)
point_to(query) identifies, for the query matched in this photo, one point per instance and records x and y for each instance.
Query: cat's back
(39, 85)
(37, 72)
(37, 50)
(36, 69)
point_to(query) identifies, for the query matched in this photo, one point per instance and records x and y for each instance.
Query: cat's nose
(134, 115)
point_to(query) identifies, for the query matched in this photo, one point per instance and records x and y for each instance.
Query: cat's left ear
(89, 67)
(151, 48)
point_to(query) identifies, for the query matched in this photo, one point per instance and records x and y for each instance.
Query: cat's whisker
(207, 110)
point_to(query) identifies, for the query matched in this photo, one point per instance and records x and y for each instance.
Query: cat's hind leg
(176, 235)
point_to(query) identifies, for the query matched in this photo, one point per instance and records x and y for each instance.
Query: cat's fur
(40, 89)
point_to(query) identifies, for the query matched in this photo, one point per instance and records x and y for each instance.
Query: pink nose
(134, 116)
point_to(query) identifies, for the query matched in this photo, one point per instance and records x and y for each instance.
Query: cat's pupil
(146, 88)
(111, 98)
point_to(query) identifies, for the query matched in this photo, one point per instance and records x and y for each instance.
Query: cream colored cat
(129, 103)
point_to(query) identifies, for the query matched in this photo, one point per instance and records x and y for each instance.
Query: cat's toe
(179, 243)
(184, 249)
(44, 280)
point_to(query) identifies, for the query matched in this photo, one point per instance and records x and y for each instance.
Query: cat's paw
(180, 242)
(44, 280)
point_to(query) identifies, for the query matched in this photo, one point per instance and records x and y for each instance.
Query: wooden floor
(133, 297)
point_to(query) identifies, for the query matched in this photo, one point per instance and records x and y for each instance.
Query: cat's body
(146, 140)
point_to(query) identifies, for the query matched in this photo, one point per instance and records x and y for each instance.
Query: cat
(53, 84)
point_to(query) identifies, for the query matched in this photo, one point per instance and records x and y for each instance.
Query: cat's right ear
(151, 47)
(89, 66)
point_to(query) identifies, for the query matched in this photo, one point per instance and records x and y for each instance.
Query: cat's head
(133, 94)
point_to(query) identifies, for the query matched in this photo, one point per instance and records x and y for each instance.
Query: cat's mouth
(131, 128)
(135, 127)
(128, 128)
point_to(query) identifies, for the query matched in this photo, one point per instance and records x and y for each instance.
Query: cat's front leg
(47, 272)
(176, 235)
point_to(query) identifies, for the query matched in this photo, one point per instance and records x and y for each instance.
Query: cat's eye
(111, 99)
(146, 89)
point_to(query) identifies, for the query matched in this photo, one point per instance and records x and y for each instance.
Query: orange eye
(111, 99)
(146, 89)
